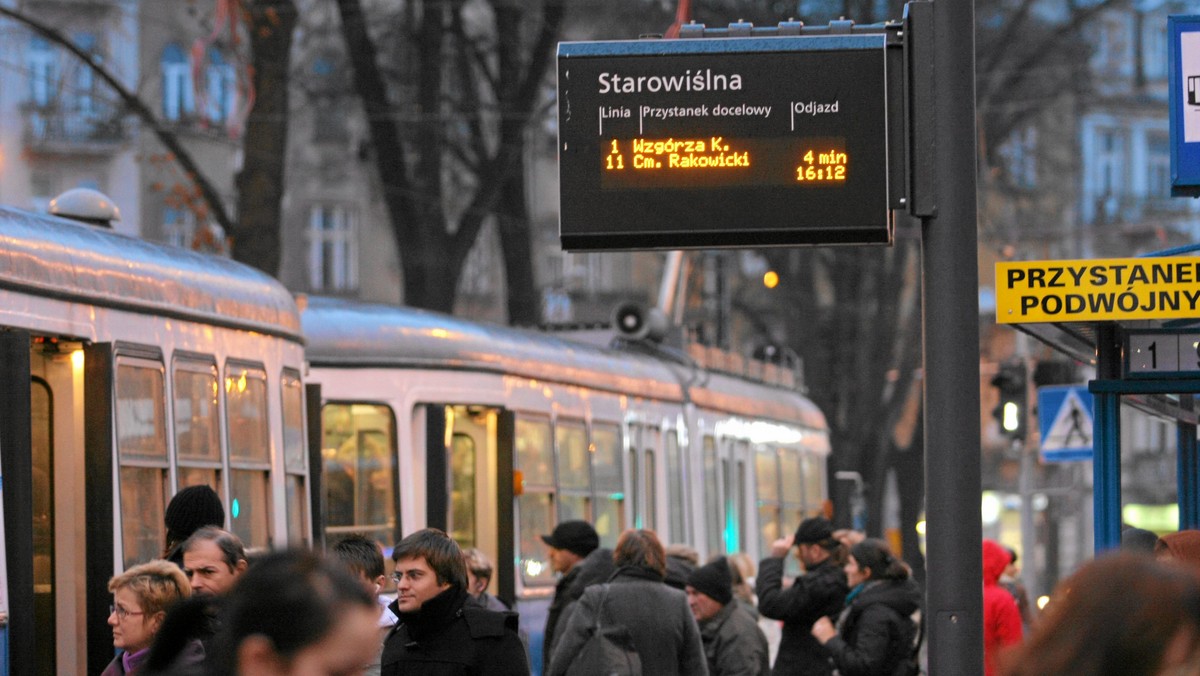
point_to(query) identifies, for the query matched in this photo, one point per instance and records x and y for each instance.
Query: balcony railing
(54, 128)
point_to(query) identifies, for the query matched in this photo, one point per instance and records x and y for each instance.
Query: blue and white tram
(128, 370)
(495, 434)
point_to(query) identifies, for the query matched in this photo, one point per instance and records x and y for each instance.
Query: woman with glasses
(141, 597)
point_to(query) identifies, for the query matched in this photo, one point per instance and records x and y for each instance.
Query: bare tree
(469, 77)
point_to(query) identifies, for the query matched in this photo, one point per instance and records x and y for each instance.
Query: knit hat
(574, 536)
(191, 509)
(813, 530)
(714, 580)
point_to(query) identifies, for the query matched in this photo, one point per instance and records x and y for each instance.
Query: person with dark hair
(1001, 618)
(1138, 540)
(681, 561)
(1119, 615)
(656, 616)
(875, 633)
(295, 613)
(142, 596)
(192, 508)
(213, 559)
(1010, 579)
(439, 630)
(361, 557)
(733, 643)
(576, 555)
(819, 592)
(479, 576)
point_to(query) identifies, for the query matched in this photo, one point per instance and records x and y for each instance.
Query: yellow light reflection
(440, 333)
(77, 359)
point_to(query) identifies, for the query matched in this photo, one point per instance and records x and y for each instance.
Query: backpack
(608, 651)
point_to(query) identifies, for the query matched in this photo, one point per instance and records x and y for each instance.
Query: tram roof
(343, 333)
(75, 262)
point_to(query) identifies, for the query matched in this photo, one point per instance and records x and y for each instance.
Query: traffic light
(1011, 412)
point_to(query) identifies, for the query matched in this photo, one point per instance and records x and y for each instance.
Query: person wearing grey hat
(576, 555)
(818, 593)
(733, 643)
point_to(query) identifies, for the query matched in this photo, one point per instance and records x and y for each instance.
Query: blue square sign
(1183, 39)
(1065, 421)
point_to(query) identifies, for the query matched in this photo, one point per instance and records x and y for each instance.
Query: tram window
(142, 451)
(574, 475)
(535, 453)
(712, 499)
(462, 490)
(359, 464)
(197, 428)
(814, 484)
(676, 500)
(651, 493)
(635, 492)
(197, 432)
(609, 486)
(249, 454)
(767, 478)
(295, 461)
(535, 505)
(793, 487)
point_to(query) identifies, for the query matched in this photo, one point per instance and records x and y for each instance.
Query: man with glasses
(439, 629)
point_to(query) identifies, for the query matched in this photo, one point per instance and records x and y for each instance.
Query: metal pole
(954, 597)
(1188, 469)
(1106, 443)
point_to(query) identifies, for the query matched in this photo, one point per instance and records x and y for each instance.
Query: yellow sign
(1097, 290)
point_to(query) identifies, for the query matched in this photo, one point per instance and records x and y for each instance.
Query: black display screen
(723, 142)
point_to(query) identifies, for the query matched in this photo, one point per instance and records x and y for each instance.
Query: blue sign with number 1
(1183, 35)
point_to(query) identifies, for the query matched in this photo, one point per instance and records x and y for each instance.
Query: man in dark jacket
(439, 632)
(733, 643)
(576, 554)
(819, 592)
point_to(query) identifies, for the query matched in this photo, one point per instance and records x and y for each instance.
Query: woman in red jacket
(1001, 618)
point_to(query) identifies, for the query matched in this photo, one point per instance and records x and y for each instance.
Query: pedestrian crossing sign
(1065, 421)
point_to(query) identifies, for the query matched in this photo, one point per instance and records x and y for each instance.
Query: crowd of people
(854, 609)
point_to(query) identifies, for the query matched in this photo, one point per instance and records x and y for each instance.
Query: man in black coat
(576, 554)
(819, 592)
(439, 631)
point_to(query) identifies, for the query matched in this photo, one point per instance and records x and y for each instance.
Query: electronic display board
(701, 143)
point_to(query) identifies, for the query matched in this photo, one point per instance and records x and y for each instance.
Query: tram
(496, 434)
(129, 369)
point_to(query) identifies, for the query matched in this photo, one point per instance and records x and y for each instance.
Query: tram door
(469, 470)
(40, 450)
(359, 472)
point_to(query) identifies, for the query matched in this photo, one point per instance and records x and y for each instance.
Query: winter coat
(657, 617)
(1001, 618)
(733, 643)
(876, 631)
(595, 568)
(821, 592)
(449, 636)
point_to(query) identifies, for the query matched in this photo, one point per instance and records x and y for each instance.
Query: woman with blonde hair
(141, 597)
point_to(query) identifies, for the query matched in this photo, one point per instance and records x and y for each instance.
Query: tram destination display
(700, 143)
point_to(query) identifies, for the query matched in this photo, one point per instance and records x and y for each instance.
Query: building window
(42, 64)
(1158, 169)
(1154, 49)
(1109, 152)
(178, 99)
(179, 227)
(332, 249)
(220, 90)
(1020, 157)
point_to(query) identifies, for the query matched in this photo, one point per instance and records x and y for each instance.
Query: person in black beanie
(192, 508)
(733, 643)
